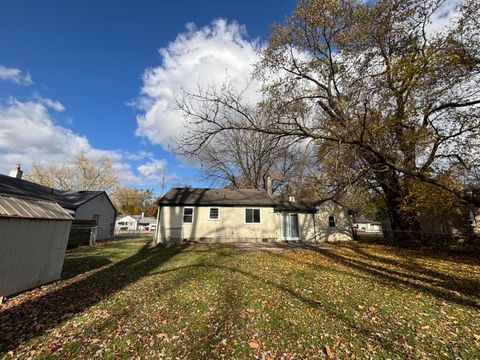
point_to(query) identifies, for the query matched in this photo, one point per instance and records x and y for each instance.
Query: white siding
(31, 252)
(231, 225)
(101, 206)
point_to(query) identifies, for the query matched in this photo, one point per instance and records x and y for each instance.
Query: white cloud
(15, 75)
(152, 168)
(139, 155)
(52, 104)
(199, 57)
(28, 133)
(443, 17)
(27, 128)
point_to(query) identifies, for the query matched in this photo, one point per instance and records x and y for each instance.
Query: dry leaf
(476, 336)
(318, 301)
(329, 352)
(251, 311)
(253, 345)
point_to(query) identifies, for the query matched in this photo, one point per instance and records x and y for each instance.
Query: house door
(290, 227)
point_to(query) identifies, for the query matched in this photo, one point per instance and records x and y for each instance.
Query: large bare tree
(371, 79)
(244, 159)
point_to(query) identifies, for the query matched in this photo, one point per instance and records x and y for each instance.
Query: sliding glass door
(290, 227)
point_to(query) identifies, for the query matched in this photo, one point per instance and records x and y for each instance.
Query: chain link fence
(424, 238)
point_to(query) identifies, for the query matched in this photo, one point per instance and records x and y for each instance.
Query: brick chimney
(16, 172)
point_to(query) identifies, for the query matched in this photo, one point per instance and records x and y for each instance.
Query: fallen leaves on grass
(329, 352)
(253, 345)
(216, 302)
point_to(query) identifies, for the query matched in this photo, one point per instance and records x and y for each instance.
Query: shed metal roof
(15, 207)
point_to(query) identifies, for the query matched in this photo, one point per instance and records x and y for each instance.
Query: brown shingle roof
(206, 196)
(227, 197)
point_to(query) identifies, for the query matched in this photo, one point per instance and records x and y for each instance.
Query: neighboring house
(127, 222)
(224, 215)
(82, 205)
(462, 219)
(33, 240)
(364, 225)
(135, 222)
(94, 205)
(147, 223)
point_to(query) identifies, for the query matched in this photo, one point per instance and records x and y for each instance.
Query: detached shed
(33, 240)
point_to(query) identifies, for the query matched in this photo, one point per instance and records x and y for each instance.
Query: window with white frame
(188, 215)
(214, 213)
(252, 216)
(331, 221)
(469, 218)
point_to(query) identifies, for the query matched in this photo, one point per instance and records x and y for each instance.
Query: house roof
(147, 220)
(226, 197)
(27, 189)
(284, 205)
(78, 198)
(15, 207)
(206, 196)
(134, 217)
(30, 190)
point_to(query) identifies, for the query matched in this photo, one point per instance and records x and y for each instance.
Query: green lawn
(129, 299)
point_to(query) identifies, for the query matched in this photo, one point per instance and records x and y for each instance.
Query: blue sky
(74, 76)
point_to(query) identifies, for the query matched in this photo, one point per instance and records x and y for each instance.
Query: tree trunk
(405, 224)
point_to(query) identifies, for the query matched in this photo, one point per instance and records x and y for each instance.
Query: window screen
(469, 218)
(331, 221)
(214, 214)
(188, 215)
(252, 216)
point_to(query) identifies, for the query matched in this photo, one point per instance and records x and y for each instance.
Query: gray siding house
(95, 205)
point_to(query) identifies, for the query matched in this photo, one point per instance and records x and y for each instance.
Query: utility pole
(163, 182)
(159, 209)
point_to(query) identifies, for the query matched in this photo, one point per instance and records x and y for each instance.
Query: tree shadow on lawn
(74, 266)
(35, 316)
(331, 310)
(440, 285)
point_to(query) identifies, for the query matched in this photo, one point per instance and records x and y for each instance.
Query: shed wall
(32, 252)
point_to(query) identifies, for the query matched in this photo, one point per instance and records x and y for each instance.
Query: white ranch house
(224, 215)
(135, 222)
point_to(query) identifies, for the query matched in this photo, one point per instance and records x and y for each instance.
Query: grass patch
(127, 299)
